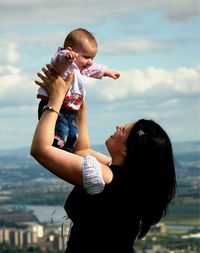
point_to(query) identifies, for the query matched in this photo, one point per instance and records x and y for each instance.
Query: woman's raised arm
(65, 165)
(83, 143)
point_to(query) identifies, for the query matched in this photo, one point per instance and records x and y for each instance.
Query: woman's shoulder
(117, 170)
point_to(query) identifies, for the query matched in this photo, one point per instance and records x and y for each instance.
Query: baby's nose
(89, 62)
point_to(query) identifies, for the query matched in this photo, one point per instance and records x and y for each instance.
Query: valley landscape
(24, 183)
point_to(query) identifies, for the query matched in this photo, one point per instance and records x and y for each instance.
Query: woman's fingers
(45, 79)
(70, 76)
(39, 83)
(50, 72)
(49, 77)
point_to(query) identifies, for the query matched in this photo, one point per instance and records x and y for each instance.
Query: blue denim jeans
(66, 131)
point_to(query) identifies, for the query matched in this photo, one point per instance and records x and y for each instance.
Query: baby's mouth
(84, 67)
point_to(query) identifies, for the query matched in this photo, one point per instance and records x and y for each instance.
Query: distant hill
(187, 151)
(186, 147)
(179, 147)
(183, 152)
(24, 181)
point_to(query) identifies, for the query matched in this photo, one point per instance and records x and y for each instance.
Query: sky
(154, 44)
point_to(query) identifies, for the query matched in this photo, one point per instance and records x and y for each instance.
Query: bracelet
(109, 163)
(49, 108)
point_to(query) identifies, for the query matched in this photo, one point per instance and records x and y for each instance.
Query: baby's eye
(88, 57)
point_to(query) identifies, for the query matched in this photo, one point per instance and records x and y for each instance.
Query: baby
(77, 54)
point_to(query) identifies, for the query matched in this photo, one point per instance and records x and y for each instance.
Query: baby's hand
(112, 74)
(71, 55)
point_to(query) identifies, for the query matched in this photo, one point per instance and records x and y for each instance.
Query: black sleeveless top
(102, 223)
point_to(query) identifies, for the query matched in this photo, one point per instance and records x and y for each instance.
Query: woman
(111, 205)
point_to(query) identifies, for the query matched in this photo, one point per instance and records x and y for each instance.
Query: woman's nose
(118, 127)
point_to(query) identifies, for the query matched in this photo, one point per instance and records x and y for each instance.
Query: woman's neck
(119, 161)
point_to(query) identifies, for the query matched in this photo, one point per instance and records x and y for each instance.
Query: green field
(185, 214)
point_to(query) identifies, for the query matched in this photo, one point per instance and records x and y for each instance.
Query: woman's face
(116, 143)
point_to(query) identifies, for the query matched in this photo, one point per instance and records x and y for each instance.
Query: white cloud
(129, 45)
(9, 51)
(151, 93)
(12, 53)
(17, 88)
(31, 30)
(21, 12)
(183, 9)
(187, 80)
(152, 82)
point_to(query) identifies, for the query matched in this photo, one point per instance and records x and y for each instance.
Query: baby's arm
(97, 71)
(63, 59)
(112, 74)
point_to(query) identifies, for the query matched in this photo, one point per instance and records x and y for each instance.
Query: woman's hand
(54, 84)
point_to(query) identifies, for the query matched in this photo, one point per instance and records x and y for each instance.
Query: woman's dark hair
(150, 173)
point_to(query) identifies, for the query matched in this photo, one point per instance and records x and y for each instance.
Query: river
(57, 214)
(48, 214)
(45, 213)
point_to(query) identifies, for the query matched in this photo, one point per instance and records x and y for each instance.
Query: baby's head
(84, 43)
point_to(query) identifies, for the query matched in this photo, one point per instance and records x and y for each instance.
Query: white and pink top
(76, 92)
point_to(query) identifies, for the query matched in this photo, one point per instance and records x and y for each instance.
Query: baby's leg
(72, 135)
(61, 130)
(71, 139)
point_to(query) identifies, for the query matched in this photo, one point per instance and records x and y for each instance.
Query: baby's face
(85, 57)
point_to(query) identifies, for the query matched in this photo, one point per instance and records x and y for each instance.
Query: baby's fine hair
(77, 37)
